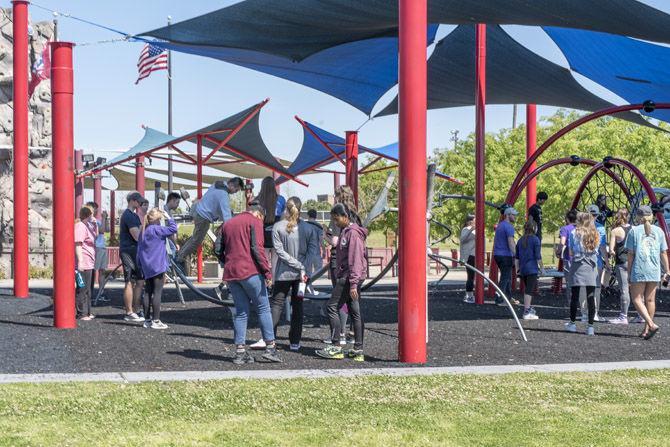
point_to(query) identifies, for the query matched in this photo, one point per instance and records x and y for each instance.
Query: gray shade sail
(514, 75)
(296, 29)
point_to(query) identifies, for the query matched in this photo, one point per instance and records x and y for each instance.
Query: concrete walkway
(133, 377)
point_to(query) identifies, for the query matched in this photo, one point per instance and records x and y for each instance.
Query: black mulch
(200, 336)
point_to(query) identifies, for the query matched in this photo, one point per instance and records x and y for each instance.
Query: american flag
(152, 58)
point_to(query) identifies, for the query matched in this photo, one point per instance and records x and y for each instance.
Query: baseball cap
(593, 209)
(135, 196)
(510, 210)
(644, 211)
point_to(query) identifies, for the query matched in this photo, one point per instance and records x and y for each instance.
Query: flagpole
(169, 21)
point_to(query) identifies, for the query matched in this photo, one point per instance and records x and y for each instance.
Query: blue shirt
(215, 205)
(603, 242)
(280, 206)
(528, 256)
(647, 260)
(500, 246)
(565, 232)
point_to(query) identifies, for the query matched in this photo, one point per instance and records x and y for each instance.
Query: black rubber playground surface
(200, 336)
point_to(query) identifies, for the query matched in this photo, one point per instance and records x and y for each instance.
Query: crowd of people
(268, 253)
(635, 254)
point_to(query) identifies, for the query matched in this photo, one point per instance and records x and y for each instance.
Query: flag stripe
(152, 58)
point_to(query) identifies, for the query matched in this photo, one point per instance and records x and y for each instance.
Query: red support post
(63, 184)
(351, 154)
(20, 117)
(480, 159)
(531, 145)
(198, 179)
(79, 182)
(112, 213)
(412, 285)
(139, 175)
(336, 182)
(97, 193)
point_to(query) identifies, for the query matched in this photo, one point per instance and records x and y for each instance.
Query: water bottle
(79, 280)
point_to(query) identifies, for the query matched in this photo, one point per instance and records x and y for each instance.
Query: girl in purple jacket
(153, 260)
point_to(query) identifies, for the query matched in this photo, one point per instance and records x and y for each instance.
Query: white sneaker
(590, 331)
(469, 299)
(585, 318)
(570, 326)
(147, 324)
(328, 341)
(260, 344)
(133, 317)
(600, 319)
(293, 347)
(621, 319)
(530, 315)
(637, 320)
(343, 339)
(158, 324)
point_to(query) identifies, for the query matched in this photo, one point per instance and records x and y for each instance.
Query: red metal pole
(63, 183)
(79, 182)
(351, 151)
(480, 159)
(112, 213)
(412, 285)
(139, 175)
(198, 179)
(97, 194)
(336, 182)
(20, 117)
(531, 144)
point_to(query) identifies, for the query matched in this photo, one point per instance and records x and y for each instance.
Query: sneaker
(328, 341)
(293, 347)
(91, 316)
(331, 352)
(140, 314)
(621, 319)
(133, 317)
(590, 331)
(158, 324)
(469, 299)
(104, 299)
(637, 320)
(570, 327)
(356, 355)
(271, 355)
(147, 324)
(530, 314)
(242, 357)
(86, 318)
(260, 344)
(584, 318)
(600, 319)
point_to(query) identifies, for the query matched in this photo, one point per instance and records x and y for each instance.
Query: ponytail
(292, 213)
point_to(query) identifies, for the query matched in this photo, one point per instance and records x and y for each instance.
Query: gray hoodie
(293, 249)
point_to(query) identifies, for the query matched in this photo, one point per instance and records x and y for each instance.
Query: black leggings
(470, 283)
(151, 301)
(339, 298)
(590, 300)
(280, 291)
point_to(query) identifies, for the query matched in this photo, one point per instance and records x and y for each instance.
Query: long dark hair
(267, 198)
(345, 195)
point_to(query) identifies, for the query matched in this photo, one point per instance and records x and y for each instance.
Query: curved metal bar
(567, 129)
(383, 273)
(442, 197)
(198, 292)
(540, 169)
(102, 289)
(500, 292)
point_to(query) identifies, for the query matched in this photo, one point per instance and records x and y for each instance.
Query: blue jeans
(251, 290)
(505, 265)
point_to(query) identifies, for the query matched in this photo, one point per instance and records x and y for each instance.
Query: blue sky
(110, 108)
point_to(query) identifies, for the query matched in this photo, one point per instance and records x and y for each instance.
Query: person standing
(247, 272)
(85, 233)
(618, 250)
(528, 256)
(101, 260)
(647, 254)
(583, 245)
(564, 251)
(604, 212)
(503, 252)
(129, 232)
(316, 262)
(603, 258)
(351, 270)
(295, 242)
(467, 252)
(535, 211)
(214, 206)
(152, 258)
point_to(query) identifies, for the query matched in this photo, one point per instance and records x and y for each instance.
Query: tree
(313, 204)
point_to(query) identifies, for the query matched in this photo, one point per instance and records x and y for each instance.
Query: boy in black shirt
(535, 211)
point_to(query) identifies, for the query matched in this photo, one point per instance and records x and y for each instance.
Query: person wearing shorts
(129, 232)
(529, 264)
(100, 249)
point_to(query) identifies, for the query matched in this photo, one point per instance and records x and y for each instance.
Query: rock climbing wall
(40, 149)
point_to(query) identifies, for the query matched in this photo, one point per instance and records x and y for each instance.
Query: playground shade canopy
(637, 71)
(296, 29)
(514, 75)
(236, 137)
(314, 154)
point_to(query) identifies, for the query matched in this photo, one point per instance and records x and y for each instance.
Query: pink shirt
(85, 234)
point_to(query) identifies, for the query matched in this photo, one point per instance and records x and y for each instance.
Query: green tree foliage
(505, 154)
(315, 205)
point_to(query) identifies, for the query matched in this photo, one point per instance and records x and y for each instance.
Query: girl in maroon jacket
(350, 271)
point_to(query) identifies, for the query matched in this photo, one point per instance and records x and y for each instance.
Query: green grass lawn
(608, 409)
